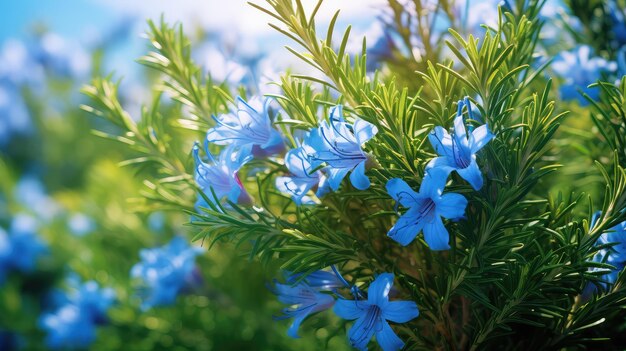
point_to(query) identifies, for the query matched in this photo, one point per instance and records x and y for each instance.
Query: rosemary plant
(423, 201)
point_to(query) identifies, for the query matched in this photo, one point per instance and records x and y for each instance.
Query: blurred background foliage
(56, 171)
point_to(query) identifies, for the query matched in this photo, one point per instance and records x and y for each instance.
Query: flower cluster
(25, 64)
(21, 247)
(73, 324)
(335, 147)
(338, 144)
(456, 152)
(309, 296)
(245, 132)
(219, 178)
(579, 68)
(317, 292)
(165, 271)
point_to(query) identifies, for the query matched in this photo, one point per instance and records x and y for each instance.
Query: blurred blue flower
(92, 300)
(618, 22)
(249, 126)
(621, 62)
(306, 297)
(21, 247)
(579, 68)
(80, 224)
(164, 271)
(68, 328)
(18, 66)
(73, 324)
(425, 210)
(302, 178)
(5, 254)
(221, 176)
(457, 152)
(614, 252)
(14, 115)
(156, 221)
(475, 13)
(338, 145)
(372, 315)
(31, 193)
(61, 57)
(235, 60)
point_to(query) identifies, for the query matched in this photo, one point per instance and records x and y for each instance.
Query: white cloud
(235, 14)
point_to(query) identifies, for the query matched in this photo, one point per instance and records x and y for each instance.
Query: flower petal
(323, 187)
(297, 162)
(407, 227)
(434, 182)
(350, 309)
(443, 163)
(400, 191)
(441, 141)
(451, 206)
(297, 320)
(472, 174)
(480, 137)
(363, 131)
(378, 291)
(400, 311)
(335, 176)
(295, 186)
(358, 178)
(387, 338)
(436, 235)
(362, 331)
(459, 130)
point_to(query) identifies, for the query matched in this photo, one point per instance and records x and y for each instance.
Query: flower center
(461, 158)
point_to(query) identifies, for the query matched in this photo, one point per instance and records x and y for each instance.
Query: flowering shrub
(464, 152)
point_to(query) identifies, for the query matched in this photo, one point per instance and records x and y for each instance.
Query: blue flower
(68, 328)
(306, 297)
(164, 271)
(302, 180)
(457, 152)
(579, 68)
(250, 126)
(425, 210)
(5, 254)
(321, 280)
(73, 324)
(621, 61)
(372, 315)
(30, 192)
(80, 224)
(221, 175)
(92, 300)
(21, 248)
(338, 144)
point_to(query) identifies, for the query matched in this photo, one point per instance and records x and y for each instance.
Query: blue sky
(67, 17)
